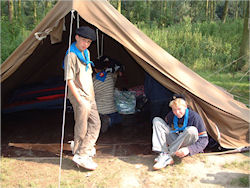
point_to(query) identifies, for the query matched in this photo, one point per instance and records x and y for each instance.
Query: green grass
(243, 165)
(200, 46)
(208, 48)
(237, 83)
(241, 182)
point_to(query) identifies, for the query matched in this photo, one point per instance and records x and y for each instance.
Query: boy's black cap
(100, 65)
(176, 96)
(86, 32)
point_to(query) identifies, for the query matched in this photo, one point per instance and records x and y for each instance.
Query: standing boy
(78, 72)
(182, 133)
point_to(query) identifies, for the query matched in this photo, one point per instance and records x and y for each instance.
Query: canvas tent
(226, 119)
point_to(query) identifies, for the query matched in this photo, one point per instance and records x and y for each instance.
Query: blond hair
(178, 102)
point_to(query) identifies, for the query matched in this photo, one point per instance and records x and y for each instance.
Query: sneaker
(92, 153)
(85, 162)
(157, 159)
(71, 142)
(162, 161)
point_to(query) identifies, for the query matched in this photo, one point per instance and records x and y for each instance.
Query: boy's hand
(182, 152)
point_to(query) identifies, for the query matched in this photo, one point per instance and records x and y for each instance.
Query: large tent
(40, 56)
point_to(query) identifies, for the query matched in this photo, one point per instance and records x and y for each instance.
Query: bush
(12, 35)
(206, 45)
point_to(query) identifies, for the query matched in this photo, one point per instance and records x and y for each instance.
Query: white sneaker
(71, 142)
(85, 162)
(92, 153)
(157, 158)
(162, 161)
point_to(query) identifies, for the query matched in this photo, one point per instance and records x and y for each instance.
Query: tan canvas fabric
(28, 46)
(226, 119)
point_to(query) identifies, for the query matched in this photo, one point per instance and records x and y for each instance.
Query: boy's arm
(202, 142)
(69, 74)
(198, 146)
(195, 148)
(73, 90)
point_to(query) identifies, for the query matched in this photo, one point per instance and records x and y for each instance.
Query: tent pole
(97, 41)
(77, 17)
(102, 46)
(65, 100)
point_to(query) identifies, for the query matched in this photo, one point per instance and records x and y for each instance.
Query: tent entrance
(37, 133)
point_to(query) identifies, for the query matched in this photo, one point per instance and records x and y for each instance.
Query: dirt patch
(131, 171)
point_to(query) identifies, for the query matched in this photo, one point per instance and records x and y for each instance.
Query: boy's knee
(192, 130)
(156, 120)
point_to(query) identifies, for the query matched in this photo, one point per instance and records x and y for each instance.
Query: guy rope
(65, 102)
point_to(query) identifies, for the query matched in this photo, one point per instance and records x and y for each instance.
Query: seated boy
(182, 133)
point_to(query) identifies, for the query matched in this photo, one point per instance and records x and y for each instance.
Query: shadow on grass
(236, 179)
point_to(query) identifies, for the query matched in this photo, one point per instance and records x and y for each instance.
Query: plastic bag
(125, 101)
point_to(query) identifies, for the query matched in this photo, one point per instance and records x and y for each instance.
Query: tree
(119, 6)
(11, 10)
(148, 11)
(48, 6)
(207, 9)
(35, 12)
(20, 11)
(225, 11)
(236, 9)
(244, 48)
(212, 9)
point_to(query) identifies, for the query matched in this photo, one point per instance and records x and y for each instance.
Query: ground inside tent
(38, 133)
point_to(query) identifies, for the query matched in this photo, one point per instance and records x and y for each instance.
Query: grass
(243, 165)
(200, 46)
(235, 83)
(207, 48)
(241, 182)
(130, 171)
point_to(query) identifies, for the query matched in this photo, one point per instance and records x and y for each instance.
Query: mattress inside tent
(48, 94)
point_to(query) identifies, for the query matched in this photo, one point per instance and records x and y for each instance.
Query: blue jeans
(115, 118)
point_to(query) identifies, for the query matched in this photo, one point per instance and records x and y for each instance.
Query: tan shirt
(75, 70)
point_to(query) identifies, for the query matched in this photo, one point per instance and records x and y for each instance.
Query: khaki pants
(165, 141)
(87, 126)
